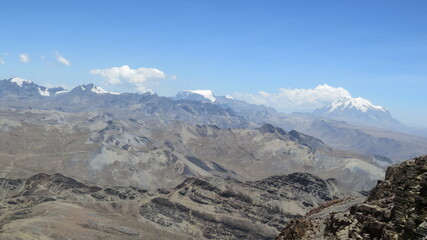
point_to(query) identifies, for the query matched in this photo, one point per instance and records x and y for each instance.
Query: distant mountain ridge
(19, 87)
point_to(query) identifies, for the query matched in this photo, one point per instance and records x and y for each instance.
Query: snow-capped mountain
(19, 87)
(197, 95)
(91, 88)
(227, 102)
(19, 81)
(359, 104)
(359, 111)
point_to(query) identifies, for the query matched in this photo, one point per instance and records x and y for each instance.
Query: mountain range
(224, 112)
(194, 166)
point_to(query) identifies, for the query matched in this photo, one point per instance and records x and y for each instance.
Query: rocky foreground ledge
(395, 209)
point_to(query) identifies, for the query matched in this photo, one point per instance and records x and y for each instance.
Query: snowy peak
(359, 111)
(25, 88)
(20, 81)
(208, 94)
(197, 95)
(92, 88)
(359, 103)
(99, 90)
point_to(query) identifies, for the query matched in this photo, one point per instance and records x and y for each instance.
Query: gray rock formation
(55, 206)
(395, 209)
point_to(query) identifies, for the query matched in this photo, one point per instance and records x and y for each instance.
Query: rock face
(54, 206)
(395, 209)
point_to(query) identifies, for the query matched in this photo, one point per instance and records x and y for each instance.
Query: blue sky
(376, 51)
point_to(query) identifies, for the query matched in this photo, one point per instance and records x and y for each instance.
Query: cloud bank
(61, 59)
(24, 58)
(290, 100)
(140, 78)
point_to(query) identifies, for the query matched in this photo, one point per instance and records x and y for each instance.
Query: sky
(287, 54)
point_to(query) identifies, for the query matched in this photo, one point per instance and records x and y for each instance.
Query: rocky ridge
(54, 206)
(395, 209)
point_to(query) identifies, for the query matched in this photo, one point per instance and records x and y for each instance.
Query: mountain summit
(359, 104)
(92, 88)
(359, 111)
(196, 95)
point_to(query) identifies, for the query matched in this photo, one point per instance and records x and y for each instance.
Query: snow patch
(45, 92)
(59, 92)
(99, 90)
(229, 97)
(20, 81)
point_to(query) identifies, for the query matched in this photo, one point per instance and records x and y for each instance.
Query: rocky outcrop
(230, 209)
(198, 208)
(46, 187)
(395, 209)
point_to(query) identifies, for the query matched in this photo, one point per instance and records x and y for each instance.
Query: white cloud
(24, 58)
(141, 78)
(303, 100)
(62, 59)
(1, 61)
(42, 57)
